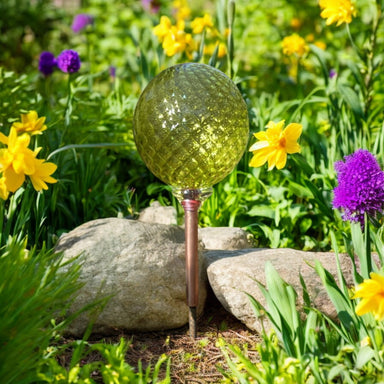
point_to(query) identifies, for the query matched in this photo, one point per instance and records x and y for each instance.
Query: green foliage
(111, 368)
(16, 94)
(276, 366)
(88, 189)
(24, 30)
(291, 208)
(311, 347)
(34, 291)
(100, 174)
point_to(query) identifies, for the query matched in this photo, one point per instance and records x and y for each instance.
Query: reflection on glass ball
(191, 126)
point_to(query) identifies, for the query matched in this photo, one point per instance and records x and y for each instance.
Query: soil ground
(193, 360)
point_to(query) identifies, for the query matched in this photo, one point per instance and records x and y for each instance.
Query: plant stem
(74, 146)
(370, 56)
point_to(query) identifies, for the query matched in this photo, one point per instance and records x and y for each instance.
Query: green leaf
(320, 54)
(361, 245)
(319, 199)
(282, 297)
(306, 297)
(336, 371)
(352, 99)
(342, 303)
(364, 355)
(262, 211)
(299, 190)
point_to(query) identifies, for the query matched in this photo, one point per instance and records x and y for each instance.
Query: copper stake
(191, 208)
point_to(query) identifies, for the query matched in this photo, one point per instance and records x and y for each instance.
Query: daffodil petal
(271, 124)
(258, 145)
(259, 158)
(4, 193)
(379, 313)
(13, 180)
(281, 159)
(378, 278)
(261, 136)
(293, 131)
(42, 174)
(292, 147)
(365, 306)
(3, 138)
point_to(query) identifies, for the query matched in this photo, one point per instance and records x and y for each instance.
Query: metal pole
(191, 208)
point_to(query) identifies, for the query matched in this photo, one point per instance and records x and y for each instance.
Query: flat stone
(229, 238)
(157, 213)
(232, 274)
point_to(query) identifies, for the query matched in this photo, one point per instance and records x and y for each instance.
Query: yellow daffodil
(177, 41)
(30, 123)
(42, 174)
(274, 145)
(210, 48)
(294, 44)
(13, 180)
(163, 28)
(18, 161)
(181, 9)
(174, 42)
(17, 155)
(4, 192)
(321, 45)
(173, 37)
(296, 23)
(371, 293)
(337, 11)
(199, 23)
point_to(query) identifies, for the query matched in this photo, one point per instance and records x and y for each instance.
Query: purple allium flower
(112, 71)
(47, 63)
(68, 61)
(332, 73)
(151, 5)
(360, 186)
(81, 21)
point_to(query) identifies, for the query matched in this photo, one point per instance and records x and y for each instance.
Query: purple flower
(332, 73)
(360, 186)
(151, 5)
(68, 61)
(81, 21)
(47, 63)
(112, 71)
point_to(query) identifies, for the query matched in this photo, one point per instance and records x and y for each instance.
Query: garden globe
(191, 126)
(191, 129)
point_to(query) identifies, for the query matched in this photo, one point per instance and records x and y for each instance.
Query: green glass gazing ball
(191, 126)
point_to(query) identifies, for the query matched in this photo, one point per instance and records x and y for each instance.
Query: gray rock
(157, 213)
(229, 238)
(232, 274)
(142, 267)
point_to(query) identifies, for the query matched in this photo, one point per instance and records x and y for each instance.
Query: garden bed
(192, 360)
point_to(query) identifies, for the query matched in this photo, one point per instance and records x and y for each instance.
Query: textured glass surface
(191, 126)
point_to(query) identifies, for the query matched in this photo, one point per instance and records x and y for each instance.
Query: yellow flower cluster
(294, 45)
(18, 161)
(175, 39)
(337, 11)
(200, 23)
(181, 9)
